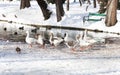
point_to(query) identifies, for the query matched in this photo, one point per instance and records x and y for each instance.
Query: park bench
(87, 18)
(97, 14)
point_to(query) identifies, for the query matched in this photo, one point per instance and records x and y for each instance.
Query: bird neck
(28, 35)
(85, 34)
(39, 37)
(51, 35)
(82, 36)
(66, 36)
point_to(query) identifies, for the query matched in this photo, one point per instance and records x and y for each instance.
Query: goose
(55, 41)
(92, 39)
(88, 38)
(85, 41)
(70, 43)
(30, 40)
(41, 40)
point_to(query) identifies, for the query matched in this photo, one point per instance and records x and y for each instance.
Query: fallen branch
(59, 27)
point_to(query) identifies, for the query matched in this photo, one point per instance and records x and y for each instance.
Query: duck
(70, 42)
(18, 50)
(29, 39)
(15, 33)
(5, 29)
(15, 16)
(21, 28)
(3, 15)
(40, 40)
(54, 40)
(35, 30)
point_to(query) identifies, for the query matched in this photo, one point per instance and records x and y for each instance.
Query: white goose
(85, 42)
(88, 38)
(55, 41)
(40, 40)
(30, 40)
(71, 43)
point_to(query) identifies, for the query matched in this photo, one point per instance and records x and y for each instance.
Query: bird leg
(42, 46)
(18, 52)
(90, 46)
(85, 47)
(53, 46)
(82, 48)
(72, 49)
(30, 46)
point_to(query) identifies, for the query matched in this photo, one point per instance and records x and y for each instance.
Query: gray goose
(41, 40)
(70, 43)
(54, 40)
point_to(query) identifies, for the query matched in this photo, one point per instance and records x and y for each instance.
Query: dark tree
(67, 5)
(80, 2)
(83, 1)
(89, 1)
(24, 4)
(98, 1)
(74, 0)
(118, 5)
(103, 6)
(46, 12)
(94, 2)
(59, 9)
(51, 1)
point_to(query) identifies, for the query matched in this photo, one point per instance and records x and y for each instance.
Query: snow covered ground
(102, 59)
(59, 61)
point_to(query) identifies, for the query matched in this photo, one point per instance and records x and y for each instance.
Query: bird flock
(82, 40)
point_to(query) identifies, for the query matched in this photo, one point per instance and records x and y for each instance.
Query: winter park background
(102, 59)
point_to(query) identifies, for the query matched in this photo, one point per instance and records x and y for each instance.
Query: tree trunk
(118, 5)
(83, 1)
(80, 2)
(98, 1)
(103, 5)
(74, 1)
(94, 2)
(24, 4)
(59, 9)
(67, 5)
(89, 2)
(28, 3)
(46, 12)
(111, 18)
